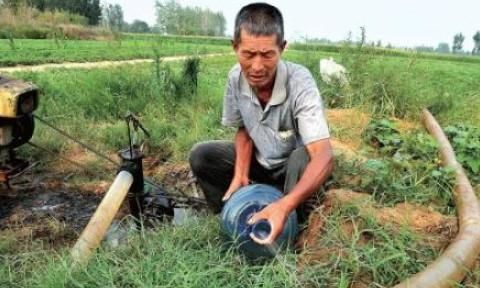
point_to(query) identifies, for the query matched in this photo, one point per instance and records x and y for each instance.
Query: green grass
(332, 48)
(99, 99)
(90, 104)
(29, 52)
(401, 87)
(194, 256)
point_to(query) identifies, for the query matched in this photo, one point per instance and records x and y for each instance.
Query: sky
(403, 23)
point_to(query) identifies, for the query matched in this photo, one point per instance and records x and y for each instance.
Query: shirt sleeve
(231, 116)
(310, 115)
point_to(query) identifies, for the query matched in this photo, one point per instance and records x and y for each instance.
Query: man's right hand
(243, 151)
(236, 184)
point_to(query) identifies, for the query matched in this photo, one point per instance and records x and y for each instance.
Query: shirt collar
(279, 93)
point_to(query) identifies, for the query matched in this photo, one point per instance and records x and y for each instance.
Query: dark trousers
(213, 164)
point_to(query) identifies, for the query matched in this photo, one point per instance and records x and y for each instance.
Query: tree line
(457, 45)
(173, 18)
(90, 9)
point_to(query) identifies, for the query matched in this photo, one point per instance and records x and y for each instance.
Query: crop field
(142, 46)
(389, 211)
(28, 51)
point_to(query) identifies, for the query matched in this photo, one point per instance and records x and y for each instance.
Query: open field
(140, 46)
(30, 52)
(364, 242)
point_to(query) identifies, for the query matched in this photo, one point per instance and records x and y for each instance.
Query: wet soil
(53, 208)
(47, 210)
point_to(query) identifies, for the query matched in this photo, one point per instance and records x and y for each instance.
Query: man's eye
(247, 55)
(269, 55)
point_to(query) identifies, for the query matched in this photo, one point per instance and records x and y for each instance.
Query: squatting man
(282, 136)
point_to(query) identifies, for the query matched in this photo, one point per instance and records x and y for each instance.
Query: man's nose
(257, 64)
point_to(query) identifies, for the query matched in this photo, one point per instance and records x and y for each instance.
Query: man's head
(259, 42)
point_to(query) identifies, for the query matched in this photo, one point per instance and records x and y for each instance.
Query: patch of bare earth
(178, 178)
(348, 125)
(48, 210)
(431, 227)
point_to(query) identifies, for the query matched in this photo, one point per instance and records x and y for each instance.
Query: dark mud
(48, 210)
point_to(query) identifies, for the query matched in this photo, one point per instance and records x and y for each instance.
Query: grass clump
(403, 167)
(165, 257)
(465, 140)
(355, 249)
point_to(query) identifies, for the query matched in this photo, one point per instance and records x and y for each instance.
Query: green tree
(14, 4)
(113, 17)
(363, 37)
(139, 26)
(424, 49)
(458, 43)
(172, 18)
(476, 41)
(89, 8)
(443, 48)
(94, 12)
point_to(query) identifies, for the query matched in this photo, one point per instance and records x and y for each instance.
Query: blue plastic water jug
(240, 207)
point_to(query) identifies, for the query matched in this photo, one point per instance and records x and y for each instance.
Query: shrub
(30, 23)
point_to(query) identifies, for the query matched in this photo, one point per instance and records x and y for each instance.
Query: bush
(30, 23)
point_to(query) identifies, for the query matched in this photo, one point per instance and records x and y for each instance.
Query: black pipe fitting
(132, 162)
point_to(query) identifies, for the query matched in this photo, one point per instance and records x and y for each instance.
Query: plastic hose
(460, 256)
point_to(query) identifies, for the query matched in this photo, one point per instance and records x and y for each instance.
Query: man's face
(258, 56)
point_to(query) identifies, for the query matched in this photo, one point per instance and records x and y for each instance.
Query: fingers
(267, 241)
(227, 196)
(230, 191)
(234, 186)
(256, 217)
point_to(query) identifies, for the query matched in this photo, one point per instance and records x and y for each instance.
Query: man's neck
(264, 94)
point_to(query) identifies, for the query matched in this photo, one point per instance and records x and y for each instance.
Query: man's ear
(234, 45)
(284, 45)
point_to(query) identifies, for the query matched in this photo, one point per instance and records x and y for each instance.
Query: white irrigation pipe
(460, 256)
(93, 234)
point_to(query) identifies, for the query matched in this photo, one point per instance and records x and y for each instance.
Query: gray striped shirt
(293, 117)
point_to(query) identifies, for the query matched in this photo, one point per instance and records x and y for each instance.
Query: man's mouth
(257, 78)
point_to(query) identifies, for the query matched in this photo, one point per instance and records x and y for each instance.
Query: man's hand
(276, 215)
(243, 157)
(317, 170)
(236, 184)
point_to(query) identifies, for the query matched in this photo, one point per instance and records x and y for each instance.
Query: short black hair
(259, 19)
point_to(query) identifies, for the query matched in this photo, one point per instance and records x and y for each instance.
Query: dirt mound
(350, 123)
(347, 126)
(432, 227)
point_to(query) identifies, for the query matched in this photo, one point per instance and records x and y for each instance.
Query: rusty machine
(147, 199)
(18, 101)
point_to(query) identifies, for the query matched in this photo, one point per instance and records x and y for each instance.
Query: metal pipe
(132, 162)
(460, 256)
(93, 234)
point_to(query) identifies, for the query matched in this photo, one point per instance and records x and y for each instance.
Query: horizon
(429, 22)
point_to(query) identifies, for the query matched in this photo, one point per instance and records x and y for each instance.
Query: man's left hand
(274, 213)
